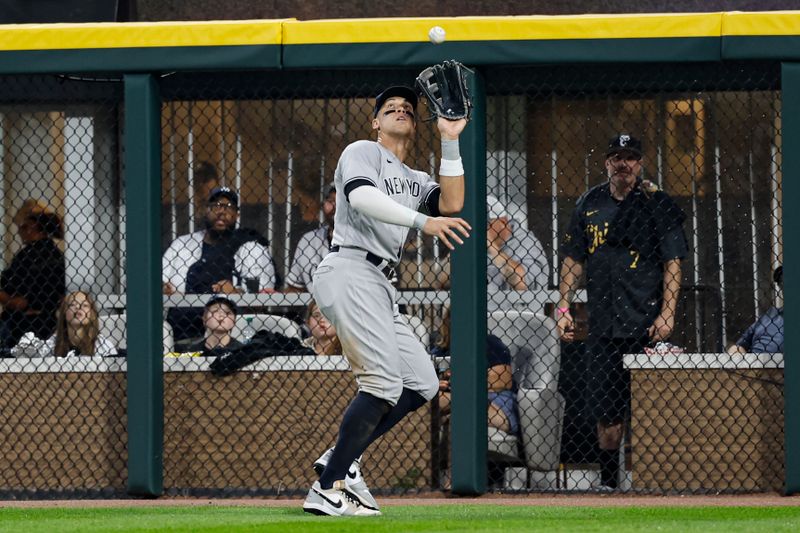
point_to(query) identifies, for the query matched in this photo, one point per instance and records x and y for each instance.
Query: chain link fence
(248, 159)
(62, 217)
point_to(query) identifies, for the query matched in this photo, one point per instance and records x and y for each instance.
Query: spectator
(77, 331)
(629, 236)
(313, 247)
(220, 259)
(765, 335)
(502, 400)
(516, 259)
(33, 285)
(323, 339)
(219, 318)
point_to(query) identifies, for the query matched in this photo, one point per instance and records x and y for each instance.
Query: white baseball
(437, 35)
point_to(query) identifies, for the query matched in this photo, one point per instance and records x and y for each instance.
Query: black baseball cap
(222, 300)
(225, 192)
(397, 90)
(624, 143)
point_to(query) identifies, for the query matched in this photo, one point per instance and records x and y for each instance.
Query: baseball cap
(624, 143)
(222, 300)
(397, 90)
(225, 192)
(330, 189)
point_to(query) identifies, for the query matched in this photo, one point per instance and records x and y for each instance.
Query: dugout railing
(125, 143)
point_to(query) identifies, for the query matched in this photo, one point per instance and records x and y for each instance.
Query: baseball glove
(445, 87)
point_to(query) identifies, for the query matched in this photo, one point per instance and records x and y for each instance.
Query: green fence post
(145, 387)
(468, 314)
(790, 152)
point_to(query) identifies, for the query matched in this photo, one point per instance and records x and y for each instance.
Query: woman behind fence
(323, 339)
(77, 332)
(32, 286)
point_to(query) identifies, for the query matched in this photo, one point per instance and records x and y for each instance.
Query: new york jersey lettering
(401, 186)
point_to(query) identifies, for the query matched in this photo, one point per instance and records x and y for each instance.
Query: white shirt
(252, 261)
(32, 346)
(310, 251)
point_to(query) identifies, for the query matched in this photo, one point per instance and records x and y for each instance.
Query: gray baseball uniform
(354, 293)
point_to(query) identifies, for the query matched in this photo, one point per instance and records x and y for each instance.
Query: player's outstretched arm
(451, 169)
(450, 129)
(447, 229)
(376, 204)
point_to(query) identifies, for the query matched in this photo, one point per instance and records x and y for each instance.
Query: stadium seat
(114, 328)
(274, 323)
(536, 360)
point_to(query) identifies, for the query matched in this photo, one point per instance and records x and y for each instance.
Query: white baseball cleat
(335, 501)
(354, 480)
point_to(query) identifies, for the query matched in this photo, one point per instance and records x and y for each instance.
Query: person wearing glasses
(220, 259)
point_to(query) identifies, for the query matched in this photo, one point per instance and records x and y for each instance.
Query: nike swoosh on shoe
(336, 504)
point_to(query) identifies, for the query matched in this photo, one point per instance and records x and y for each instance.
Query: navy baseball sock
(360, 419)
(609, 468)
(409, 401)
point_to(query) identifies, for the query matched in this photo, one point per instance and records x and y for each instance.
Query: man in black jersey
(627, 236)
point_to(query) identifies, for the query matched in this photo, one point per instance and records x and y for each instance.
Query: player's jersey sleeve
(360, 161)
(575, 243)
(430, 195)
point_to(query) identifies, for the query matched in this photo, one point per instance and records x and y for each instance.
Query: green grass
(482, 517)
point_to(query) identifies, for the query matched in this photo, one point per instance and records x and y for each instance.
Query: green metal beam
(468, 315)
(159, 59)
(790, 150)
(145, 390)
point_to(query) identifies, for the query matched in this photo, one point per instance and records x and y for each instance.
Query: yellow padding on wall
(389, 30)
(139, 34)
(763, 23)
(504, 28)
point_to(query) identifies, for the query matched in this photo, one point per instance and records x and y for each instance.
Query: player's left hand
(661, 328)
(450, 129)
(447, 228)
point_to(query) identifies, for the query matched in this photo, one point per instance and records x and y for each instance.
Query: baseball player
(377, 198)
(629, 238)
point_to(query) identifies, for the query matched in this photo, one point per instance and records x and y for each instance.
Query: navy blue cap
(225, 192)
(397, 90)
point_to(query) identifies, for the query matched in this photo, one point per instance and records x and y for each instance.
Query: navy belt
(388, 268)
